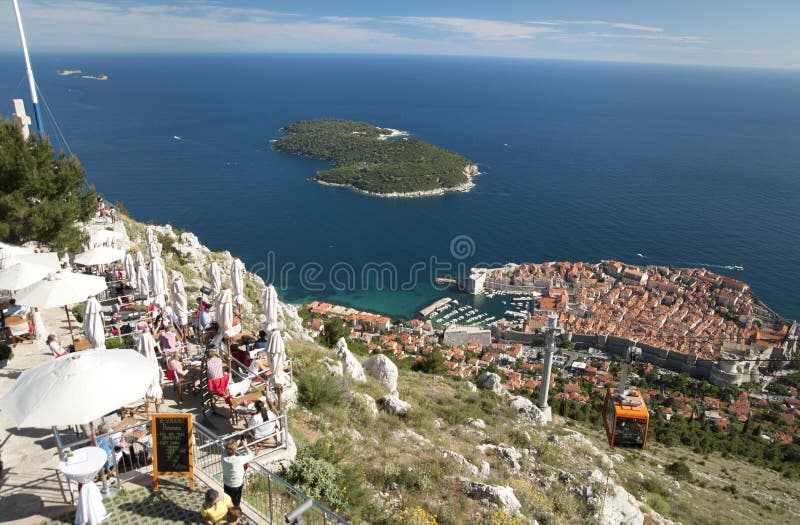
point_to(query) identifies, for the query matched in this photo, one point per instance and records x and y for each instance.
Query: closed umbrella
(146, 346)
(76, 389)
(237, 281)
(139, 258)
(93, 324)
(276, 354)
(180, 304)
(153, 250)
(99, 255)
(150, 235)
(215, 278)
(22, 275)
(158, 282)
(271, 307)
(130, 270)
(224, 309)
(61, 289)
(39, 328)
(142, 280)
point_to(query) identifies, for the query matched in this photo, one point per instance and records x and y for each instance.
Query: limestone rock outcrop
(352, 367)
(491, 381)
(394, 405)
(381, 368)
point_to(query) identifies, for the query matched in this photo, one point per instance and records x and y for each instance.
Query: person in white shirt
(55, 346)
(233, 469)
(263, 423)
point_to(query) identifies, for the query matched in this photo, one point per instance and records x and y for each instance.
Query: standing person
(233, 469)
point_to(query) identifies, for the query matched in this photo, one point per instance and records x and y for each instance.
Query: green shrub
(318, 389)
(679, 470)
(126, 341)
(77, 312)
(320, 480)
(5, 352)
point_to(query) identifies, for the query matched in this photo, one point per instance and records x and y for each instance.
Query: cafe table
(82, 467)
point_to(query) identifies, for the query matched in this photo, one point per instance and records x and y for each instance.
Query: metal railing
(266, 493)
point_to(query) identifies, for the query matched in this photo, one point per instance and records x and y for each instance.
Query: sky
(740, 33)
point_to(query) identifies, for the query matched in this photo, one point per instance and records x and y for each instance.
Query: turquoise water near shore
(579, 161)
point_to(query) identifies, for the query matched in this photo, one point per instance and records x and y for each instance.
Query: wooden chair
(140, 408)
(187, 380)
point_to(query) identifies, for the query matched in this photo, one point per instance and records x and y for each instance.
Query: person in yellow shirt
(215, 508)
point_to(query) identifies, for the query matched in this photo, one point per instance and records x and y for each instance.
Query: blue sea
(647, 164)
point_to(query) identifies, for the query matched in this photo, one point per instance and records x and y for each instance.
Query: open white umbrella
(49, 259)
(271, 307)
(93, 324)
(130, 270)
(146, 346)
(76, 389)
(9, 251)
(61, 289)
(105, 238)
(158, 282)
(215, 278)
(99, 255)
(22, 275)
(180, 304)
(237, 281)
(142, 280)
(276, 355)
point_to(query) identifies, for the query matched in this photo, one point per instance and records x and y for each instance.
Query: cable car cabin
(626, 418)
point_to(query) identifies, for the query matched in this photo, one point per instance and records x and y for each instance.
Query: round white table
(82, 467)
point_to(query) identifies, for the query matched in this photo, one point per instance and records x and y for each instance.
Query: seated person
(234, 516)
(205, 319)
(175, 366)
(215, 507)
(167, 340)
(55, 346)
(240, 355)
(261, 342)
(126, 329)
(264, 422)
(13, 307)
(214, 368)
(108, 445)
(259, 366)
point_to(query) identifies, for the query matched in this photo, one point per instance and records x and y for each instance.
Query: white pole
(28, 68)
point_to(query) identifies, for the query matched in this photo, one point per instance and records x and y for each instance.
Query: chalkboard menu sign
(172, 446)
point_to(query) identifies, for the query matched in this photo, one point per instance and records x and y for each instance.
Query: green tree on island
(42, 197)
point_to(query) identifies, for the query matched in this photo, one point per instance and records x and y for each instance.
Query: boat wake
(176, 137)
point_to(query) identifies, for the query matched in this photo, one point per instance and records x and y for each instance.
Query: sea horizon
(580, 161)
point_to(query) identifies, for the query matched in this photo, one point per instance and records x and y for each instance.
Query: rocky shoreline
(471, 171)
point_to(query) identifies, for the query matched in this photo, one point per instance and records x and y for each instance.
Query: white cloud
(477, 28)
(637, 27)
(616, 25)
(669, 38)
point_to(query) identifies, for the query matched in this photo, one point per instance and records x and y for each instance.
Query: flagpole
(28, 68)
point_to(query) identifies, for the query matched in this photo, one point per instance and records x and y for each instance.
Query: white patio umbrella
(139, 258)
(142, 279)
(49, 259)
(237, 281)
(224, 310)
(93, 324)
(149, 235)
(76, 389)
(99, 255)
(271, 307)
(9, 251)
(158, 282)
(104, 238)
(180, 304)
(61, 289)
(276, 354)
(130, 270)
(146, 346)
(22, 275)
(215, 278)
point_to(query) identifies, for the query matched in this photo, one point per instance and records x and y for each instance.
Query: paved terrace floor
(174, 502)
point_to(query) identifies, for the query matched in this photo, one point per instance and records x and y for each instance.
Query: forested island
(364, 159)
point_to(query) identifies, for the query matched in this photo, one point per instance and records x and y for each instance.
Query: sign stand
(173, 447)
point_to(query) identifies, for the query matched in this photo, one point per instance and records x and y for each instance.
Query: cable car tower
(551, 331)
